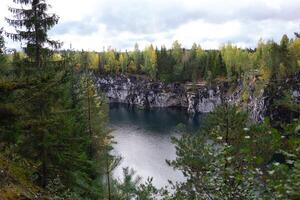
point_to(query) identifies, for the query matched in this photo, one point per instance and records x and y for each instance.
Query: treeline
(269, 59)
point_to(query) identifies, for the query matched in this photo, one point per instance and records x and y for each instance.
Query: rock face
(147, 94)
(285, 98)
(295, 89)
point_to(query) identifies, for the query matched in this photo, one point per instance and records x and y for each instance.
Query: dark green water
(144, 139)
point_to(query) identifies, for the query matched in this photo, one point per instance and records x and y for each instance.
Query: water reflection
(144, 139)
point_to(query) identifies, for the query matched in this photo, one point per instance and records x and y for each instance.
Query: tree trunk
(108, 178)
(89, 118)
(44, 163)
(37, 43)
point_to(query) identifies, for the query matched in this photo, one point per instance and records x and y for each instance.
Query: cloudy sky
(94, 24)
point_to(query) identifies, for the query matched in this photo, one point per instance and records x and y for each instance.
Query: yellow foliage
(94, 60)
(56, 57)
(282, 70)
(106, 68)
(265, 73)
(132, 67)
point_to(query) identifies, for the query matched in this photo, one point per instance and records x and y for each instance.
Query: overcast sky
(94, 24)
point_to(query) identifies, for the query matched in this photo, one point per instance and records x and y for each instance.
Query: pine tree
(219, 162)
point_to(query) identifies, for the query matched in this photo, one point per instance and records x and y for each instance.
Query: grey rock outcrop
(147, 94)
(202, 99)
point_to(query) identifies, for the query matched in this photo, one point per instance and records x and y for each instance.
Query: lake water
(144, 140)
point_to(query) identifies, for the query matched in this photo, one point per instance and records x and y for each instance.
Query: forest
(55, 142)
(269, 59)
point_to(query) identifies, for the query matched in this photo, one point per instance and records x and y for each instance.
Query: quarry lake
(144, 140)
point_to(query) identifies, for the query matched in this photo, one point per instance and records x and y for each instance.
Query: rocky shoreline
(201, 99)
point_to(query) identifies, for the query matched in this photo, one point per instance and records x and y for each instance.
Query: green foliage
(237, 61)
(270, 62)
(150, 65)
(284, 178)
(111, 62)
(231, 160)
(226, 122)
(131, 187)
(37, 22)
(212, 161)
(54, 138)
(51, 113)
(137, 58)
(165, 63)
(287, 103)
(128, 187)
(123, 60)
(56, 120)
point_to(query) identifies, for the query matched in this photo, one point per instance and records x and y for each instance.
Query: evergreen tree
(8, 111)
(285, 60)
(177, 54)
(165, 64)
(284, 177)
(37, 22)
(50, 135)
(93, 115)
(40, 135)
(226, 160)
(137, 58)
(203, 64)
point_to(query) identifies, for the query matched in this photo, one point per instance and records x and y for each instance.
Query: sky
(98, 24)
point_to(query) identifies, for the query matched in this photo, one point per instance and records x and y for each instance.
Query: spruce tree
(32, 22)
(43, 85)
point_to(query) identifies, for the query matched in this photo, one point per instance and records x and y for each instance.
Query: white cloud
(92, 24)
